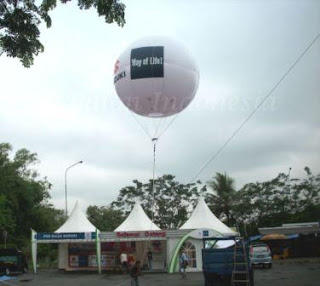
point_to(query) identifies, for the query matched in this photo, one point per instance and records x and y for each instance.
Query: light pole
(289, 173)
(65, 184)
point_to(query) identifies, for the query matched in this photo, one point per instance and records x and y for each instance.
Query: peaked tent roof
(202, 217)
(77, 222)
(137, 221)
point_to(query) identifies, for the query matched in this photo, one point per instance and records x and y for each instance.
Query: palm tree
(223, 195)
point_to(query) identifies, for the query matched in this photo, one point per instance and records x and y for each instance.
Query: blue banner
(65, 236)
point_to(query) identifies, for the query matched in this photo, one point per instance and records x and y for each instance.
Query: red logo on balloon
(116, 67)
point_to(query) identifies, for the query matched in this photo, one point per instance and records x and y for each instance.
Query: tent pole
(34, 250)
(98, 249)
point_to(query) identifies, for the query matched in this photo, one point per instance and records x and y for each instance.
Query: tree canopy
(20, 20)
(222, 198)
(170, 203)
(261, 204)
(24, 197)
(105, 218)
(277, 201)
(25, 200)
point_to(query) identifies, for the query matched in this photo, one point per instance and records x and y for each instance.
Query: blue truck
(218, 262)
(12, 260)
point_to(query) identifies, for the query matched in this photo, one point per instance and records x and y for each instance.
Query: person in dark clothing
(149, 255)
(135, 273)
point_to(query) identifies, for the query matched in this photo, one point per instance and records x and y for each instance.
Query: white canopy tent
(77, 222)
(138, 228)
(137, 221)
(77, 229)
(201, 224)
(203, 218)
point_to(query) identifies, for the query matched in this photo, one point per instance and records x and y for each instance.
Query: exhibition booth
(77, 239)
(83, 247)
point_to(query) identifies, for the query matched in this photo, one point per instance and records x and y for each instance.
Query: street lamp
(65, 184)
(289, 172)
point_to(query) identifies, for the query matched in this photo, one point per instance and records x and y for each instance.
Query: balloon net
(154, 127)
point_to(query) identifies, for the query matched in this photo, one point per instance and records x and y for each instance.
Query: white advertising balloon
(156, 77)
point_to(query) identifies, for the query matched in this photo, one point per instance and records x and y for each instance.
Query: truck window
(9, 259)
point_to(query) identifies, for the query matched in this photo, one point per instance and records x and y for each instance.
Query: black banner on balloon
(147, 62)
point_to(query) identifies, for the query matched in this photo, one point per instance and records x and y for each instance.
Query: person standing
(135, 273)
(149, 255)
(124, 261)
(183, 263)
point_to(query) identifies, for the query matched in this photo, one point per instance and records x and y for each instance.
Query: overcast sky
(65, 107)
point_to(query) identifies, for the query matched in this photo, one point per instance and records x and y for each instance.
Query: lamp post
(65, 184)
(289, 173)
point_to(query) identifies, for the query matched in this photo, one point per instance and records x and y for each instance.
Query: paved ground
(297, 272)
(300, 272)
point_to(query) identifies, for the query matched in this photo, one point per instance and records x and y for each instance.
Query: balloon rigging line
(157, 124)
(158, 129)
(154, 141)
(171, 122)
(255, 110)
(136, 119)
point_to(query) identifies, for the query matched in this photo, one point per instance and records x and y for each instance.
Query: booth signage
(65, 236)
(141, 234)
(205, 233)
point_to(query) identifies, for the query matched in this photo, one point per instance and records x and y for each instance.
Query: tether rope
(255, 110)
(154, 141)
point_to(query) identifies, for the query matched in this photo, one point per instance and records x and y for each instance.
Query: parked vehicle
(12, 260)
(260, 254)
(218, 262)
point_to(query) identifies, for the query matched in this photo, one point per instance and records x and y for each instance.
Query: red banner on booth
(140, 234)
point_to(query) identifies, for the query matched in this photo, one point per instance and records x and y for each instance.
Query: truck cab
(12, 260)
(218, 260)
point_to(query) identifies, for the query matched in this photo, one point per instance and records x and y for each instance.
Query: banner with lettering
(147, 62)
(65, 236)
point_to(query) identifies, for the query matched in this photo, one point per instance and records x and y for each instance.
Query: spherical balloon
(156, 77)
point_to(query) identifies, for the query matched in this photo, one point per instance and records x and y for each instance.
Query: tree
(280, 200)
(7, 221)
(23, 196)
(20, 20)
(222, 199)
(105, 218)
(170, 203)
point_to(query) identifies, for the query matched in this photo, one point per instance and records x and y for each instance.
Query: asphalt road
(297, 272)
(300, 272)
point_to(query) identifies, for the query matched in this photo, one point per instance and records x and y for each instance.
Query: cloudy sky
(65, 107)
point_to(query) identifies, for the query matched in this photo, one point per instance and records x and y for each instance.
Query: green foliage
(168, 204)
(24, 200)
(20, 20)
(7, 220)
(266, 204)
(24, 197)
(105, 218)
(280, 200)
(112, 10)
(222, 199)
(47, 254)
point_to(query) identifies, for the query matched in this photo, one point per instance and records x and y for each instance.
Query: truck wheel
(206, 281)
(251, 276)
